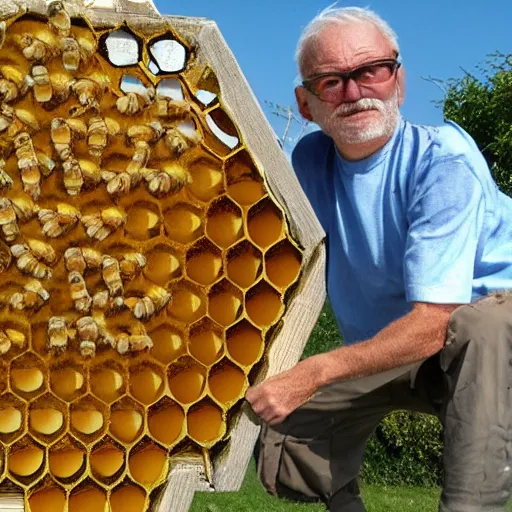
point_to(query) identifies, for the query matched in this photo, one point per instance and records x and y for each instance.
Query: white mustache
(360, 105)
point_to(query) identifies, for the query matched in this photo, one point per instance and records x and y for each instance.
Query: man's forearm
(412, 338)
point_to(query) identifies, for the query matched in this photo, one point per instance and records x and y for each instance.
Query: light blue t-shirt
(419, 221)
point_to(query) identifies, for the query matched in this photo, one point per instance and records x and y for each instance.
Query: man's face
(359, 113)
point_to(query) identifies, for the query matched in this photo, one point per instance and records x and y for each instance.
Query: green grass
(253, 498)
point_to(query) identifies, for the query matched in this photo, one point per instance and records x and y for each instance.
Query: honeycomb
(144, 264)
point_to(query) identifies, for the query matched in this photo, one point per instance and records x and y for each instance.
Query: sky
(437, 38)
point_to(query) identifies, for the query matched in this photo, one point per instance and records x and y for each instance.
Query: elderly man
(419, 243)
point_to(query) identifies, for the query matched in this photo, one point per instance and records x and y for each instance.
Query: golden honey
(143, 263)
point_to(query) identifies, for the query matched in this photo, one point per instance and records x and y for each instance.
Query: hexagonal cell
(183, 223)
(166, 421)
(207, 178)
(205, 423)
(245, 184)
(108, 381)
(263, 304)
(87, 497)
(67, 379)
(227, 382)
(244, 264)
(25, 461)
(146, 383)
(204, 262)
(12, 417)
(222, 136)
(48, 498)
(224, 224)
(107, 460)
(47, 418)
(186, 380)
(89, 418)
(126, 420)
(187, 304)
(282, 264)
(225, 303)
(28, 376)
(168, 54)
(143, 221)
(206, 342)
(170, 88)
(162, 264)
(265, 224)
(66, 459)
(167, 343)
(121, 47)
(127, 497)
(244, 343)
(147, 463)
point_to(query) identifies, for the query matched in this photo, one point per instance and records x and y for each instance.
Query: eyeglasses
(328, 86)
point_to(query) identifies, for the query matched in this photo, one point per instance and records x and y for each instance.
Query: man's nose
(351, 91)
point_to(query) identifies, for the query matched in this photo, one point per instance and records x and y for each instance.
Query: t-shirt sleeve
(445, 217)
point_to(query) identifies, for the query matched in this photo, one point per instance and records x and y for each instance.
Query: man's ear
(302, 103)
(400, 84)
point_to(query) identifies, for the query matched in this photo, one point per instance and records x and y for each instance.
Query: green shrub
(407, 447)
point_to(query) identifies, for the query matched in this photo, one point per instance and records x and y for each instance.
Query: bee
(144, 308)
(42, 86)
(10, 337)
(101, 225)
(98, 132)
(89, 92)
(5, 257)
(8, 91)
(118, 183)
(72, 176)
(42, 250)
(70, 53)
(132, 343)
(171, 179)
(59, 18)
(111, 274)
(177, 143)
(58, 223)
(173, 110)
(132, 103)
(5, 179)
(79, 293)
(8, 221)
(7, 117)
(3, 32)
(33, 296)
(24, 208)
(5, 343)
(17, 121)
(28, 164)
(57, 334)
(34, 49)
(131, 264)
(29, 259)
(62, 132)
(79, 259)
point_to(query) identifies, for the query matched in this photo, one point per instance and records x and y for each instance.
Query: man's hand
(277, 397)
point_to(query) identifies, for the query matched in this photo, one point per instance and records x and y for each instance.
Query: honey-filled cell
(11, 420)
(187, 304)
(186, 381)
(225, 303)
(24, 460)
(282, 264)
(87, 498)
(205, 343)
(143, 221)
(227, 383)
(162, 265)
(128, 498)
(207, 179)
(245, 184)
(244, 264)
(45, 420)
(204, 264)
(66, 459)
(66, 381)
(263, 304)
(106, 460)
(107, 384)
(224, 223)
(87, 418)
(27, 376)
(147, 464)
(126, 420)
(183, 224)
(146, 384)
(265, 224)
(244, 343)
(167, 344)
(205, 423)
(165, 422)
(48, 499)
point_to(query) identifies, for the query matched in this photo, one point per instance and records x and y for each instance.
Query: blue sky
(437, 38)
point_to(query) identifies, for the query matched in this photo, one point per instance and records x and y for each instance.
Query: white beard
(344, 130)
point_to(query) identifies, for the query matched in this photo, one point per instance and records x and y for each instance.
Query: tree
(483, 107)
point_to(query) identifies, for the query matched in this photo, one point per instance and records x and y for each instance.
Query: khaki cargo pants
(316, 453)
